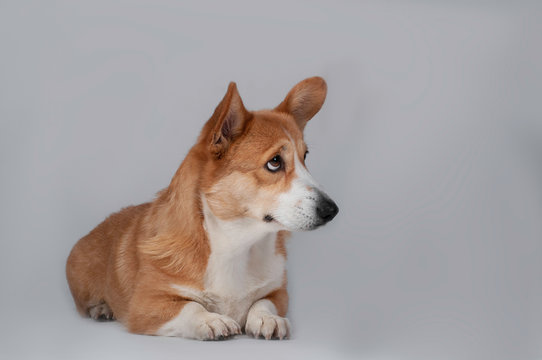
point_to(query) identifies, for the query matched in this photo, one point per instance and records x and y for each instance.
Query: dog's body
(206, 259)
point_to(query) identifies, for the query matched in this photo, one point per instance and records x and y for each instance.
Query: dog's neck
(177, 225)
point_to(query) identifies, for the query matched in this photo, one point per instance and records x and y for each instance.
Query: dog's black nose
(326, 209)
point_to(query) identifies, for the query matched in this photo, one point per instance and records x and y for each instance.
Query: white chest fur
(242, 268)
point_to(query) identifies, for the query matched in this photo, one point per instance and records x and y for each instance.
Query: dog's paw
(267, 325)
(216, 327)
(101, 312)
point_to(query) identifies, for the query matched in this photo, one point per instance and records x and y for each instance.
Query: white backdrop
(430, 141)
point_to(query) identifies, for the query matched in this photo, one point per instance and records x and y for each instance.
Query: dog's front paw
(216, 327)
(267, 325)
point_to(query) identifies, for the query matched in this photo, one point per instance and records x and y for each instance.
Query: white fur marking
(296, 208)
(243, 266)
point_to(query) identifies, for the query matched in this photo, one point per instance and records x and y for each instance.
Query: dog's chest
(237, 277)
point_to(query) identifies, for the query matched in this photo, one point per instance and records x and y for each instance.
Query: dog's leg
(195, 322)
(181, 318)
(266, 317)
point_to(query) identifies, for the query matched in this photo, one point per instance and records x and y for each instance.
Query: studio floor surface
(63, 334)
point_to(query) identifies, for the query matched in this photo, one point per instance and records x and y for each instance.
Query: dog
(206, 258)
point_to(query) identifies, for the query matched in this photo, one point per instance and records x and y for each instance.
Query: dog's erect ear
(231, 117)
(304, 100)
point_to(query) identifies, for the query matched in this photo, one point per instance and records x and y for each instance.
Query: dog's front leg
(195, 322)
(266, 317)
(189, 320)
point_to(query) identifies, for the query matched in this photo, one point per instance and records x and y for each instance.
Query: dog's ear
(304, 100)
(230, 118)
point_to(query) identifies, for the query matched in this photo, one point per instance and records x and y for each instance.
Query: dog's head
(255, 168)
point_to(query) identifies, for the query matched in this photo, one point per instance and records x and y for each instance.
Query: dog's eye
(274, 164)
(305, 156)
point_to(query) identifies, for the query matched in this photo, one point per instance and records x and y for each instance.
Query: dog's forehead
(272, 127)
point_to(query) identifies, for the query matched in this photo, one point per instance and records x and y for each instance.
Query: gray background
(430, 141)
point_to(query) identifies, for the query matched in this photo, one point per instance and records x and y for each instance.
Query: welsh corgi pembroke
(206, 258)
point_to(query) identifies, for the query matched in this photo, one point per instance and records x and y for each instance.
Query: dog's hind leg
(86, 274)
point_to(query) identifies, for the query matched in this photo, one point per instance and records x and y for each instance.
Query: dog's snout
(326, 209)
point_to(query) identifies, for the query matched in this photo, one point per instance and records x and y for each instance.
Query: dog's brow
(289, 136)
